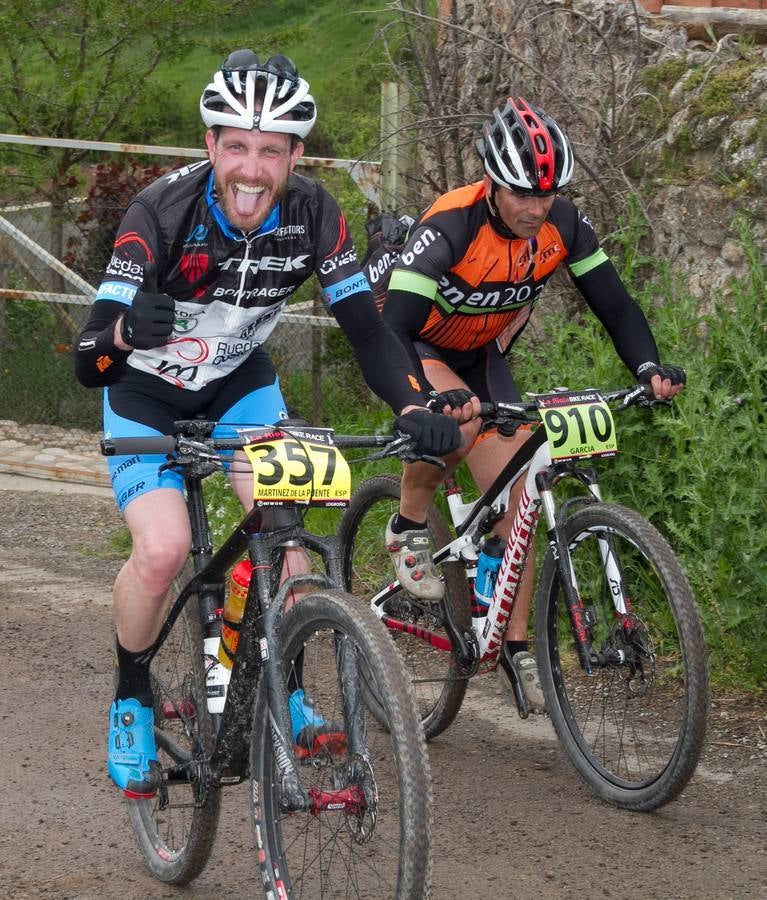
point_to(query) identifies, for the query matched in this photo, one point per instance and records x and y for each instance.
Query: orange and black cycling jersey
(461, 282)
(480, 281)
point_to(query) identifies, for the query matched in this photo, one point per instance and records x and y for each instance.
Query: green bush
(696, 469)
(37, 380)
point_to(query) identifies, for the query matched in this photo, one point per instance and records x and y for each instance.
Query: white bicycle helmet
(524, 149)
(281, 103)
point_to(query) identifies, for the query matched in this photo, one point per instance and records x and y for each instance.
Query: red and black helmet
(524, 149)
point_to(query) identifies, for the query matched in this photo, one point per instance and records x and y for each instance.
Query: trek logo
(266, 264)
(425, 239)
(198, 235)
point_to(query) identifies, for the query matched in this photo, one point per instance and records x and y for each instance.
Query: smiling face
(524, 214)
(250, 171)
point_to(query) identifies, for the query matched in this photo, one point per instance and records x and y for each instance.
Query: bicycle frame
(258, 649)
(471, 521)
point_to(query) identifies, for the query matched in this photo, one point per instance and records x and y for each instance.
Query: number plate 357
(307, 469)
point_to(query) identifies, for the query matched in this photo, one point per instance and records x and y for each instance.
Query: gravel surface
(511, 817)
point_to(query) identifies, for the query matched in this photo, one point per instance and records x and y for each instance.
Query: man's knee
(157, 559)
(159, 526)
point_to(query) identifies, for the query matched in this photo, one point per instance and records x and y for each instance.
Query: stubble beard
(275, 193)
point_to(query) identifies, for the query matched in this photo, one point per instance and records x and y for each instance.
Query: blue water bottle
(488, 564)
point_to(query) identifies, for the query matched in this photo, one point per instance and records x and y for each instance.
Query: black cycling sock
(513, 647)
(400, 524)
(132, 676)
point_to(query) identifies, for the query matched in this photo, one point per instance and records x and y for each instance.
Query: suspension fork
(293, 797)
(580, 616)
(610, 561)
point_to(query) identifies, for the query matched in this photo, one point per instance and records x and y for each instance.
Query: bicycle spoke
(634, 728)
(351, 842)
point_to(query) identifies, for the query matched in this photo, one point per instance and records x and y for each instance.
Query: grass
(329, 43)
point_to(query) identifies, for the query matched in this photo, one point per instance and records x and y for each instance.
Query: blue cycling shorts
(141, 404)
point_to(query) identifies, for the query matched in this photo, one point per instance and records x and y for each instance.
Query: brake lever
(410, 457)
(638, 396)
(401, 447)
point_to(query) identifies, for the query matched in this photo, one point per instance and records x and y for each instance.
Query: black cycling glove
(675, 374)
(434, 434)
(455, 399)
(148, 321)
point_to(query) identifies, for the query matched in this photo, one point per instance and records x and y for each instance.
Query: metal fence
(52, 256)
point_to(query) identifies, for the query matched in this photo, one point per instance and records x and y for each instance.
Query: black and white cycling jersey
(229, 287)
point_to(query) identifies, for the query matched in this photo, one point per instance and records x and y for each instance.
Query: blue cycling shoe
(312, 734)
(132, 754)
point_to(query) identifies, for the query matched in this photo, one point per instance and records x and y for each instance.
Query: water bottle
(239, 581)
(488, 564)
(216, 675)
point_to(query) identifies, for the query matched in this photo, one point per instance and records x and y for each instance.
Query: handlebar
(501, 413)
(193, 438)
(510, 415)
(133, 446)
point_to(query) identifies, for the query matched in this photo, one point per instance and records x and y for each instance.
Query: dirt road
(512, 819)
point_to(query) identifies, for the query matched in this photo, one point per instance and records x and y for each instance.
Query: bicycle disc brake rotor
(631, 637)
(361, 822)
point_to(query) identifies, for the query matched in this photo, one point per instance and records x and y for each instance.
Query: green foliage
(331, 46)
(34, 355)
(664, 75)
(697, 469)
(718, 95)
(84, 70)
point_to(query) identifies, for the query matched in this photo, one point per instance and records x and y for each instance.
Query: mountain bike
(620, 645)
(347, 817)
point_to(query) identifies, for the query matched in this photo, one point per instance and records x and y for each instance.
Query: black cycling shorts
(484, 370)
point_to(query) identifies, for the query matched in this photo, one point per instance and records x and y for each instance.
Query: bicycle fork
(582, 616)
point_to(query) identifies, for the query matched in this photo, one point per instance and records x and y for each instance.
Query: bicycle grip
(134, 446)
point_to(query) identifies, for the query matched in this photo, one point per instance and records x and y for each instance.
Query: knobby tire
(634, 731)
(176, 841)
(383, 848)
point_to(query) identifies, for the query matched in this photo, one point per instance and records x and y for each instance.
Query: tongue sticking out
(246, 202)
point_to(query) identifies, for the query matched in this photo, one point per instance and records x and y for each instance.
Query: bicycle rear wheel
(437, 678)
(368, 833)
(634, 730)
(175, 830)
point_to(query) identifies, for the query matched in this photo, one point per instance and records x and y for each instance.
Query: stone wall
(653, 109)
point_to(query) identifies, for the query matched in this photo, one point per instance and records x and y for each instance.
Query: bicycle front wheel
(367, 833)
(175, 830)
(437, 678)
(634, 729)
